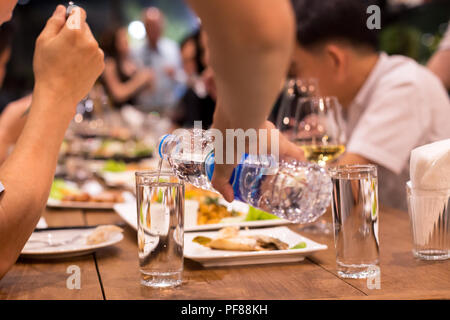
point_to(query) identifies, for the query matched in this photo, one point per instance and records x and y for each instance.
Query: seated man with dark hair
(391, 103)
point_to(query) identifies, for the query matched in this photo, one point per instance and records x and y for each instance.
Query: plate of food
(130, 150)
(55, 244)
(119, 174)
(230, 246)
(91, 195)
(210, 213)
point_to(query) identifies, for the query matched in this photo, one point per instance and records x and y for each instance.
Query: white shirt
(401, 105)
(167, 54)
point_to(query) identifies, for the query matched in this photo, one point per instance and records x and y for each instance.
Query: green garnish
(300, 245)
(56, 189)
(115, 166)
(142, 150)
(257, 214)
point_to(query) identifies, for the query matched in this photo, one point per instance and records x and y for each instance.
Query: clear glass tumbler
(429, 214)
(160, 216)
(355, 220)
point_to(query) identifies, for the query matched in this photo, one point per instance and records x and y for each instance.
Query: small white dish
(39, 246)
(211, 257)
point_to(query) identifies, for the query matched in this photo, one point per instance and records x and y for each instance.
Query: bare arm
(27, 175)
(122, 91)
(60, 83)
(352, 158)
(250, 46)
(439, 64)
(12, 122)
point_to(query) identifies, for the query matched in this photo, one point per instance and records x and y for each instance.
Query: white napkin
(430, 166)
(430, 177)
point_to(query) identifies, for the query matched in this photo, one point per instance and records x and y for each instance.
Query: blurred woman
(198, 103)
(123, 81)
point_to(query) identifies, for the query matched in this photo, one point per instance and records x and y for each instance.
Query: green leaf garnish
(115, 166)
(257, 214)
(300, 245)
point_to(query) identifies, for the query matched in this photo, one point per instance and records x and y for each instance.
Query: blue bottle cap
(161, 143)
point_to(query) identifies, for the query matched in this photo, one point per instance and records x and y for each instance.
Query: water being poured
(159, 168)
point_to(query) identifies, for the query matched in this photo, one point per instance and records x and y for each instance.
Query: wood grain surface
(113, 272)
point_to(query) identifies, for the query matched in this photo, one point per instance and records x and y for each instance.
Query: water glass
(160, 216)
(355, 220)
(429, 214)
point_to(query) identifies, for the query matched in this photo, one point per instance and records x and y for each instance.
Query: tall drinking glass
(355, 220)
(160, 216)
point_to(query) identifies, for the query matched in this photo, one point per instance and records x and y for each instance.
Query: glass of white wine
(319, 129)
(317, 126)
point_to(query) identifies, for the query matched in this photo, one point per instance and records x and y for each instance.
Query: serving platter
(212, 258)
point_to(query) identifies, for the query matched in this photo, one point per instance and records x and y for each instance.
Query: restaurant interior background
(108, 141)
(409, 27)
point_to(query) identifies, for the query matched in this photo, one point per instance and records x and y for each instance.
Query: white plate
(41, 250)
(118, 179)
(210, 257)
(128, 212)
(53, 203)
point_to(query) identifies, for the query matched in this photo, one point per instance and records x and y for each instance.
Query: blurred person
(67, 61)
(391, 103)
(5, 54)
(196, 104)
(5, 49)
(122, 79)
(162, 55)
(439, 63)
(249, 44)
(11, 120)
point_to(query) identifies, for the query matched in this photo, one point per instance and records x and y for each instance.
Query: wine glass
(293, 91)
(319, 129)
(316, 125)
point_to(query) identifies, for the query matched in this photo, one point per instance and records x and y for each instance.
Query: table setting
(181, 237)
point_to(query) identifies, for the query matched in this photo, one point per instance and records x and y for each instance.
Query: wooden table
(112, 273)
